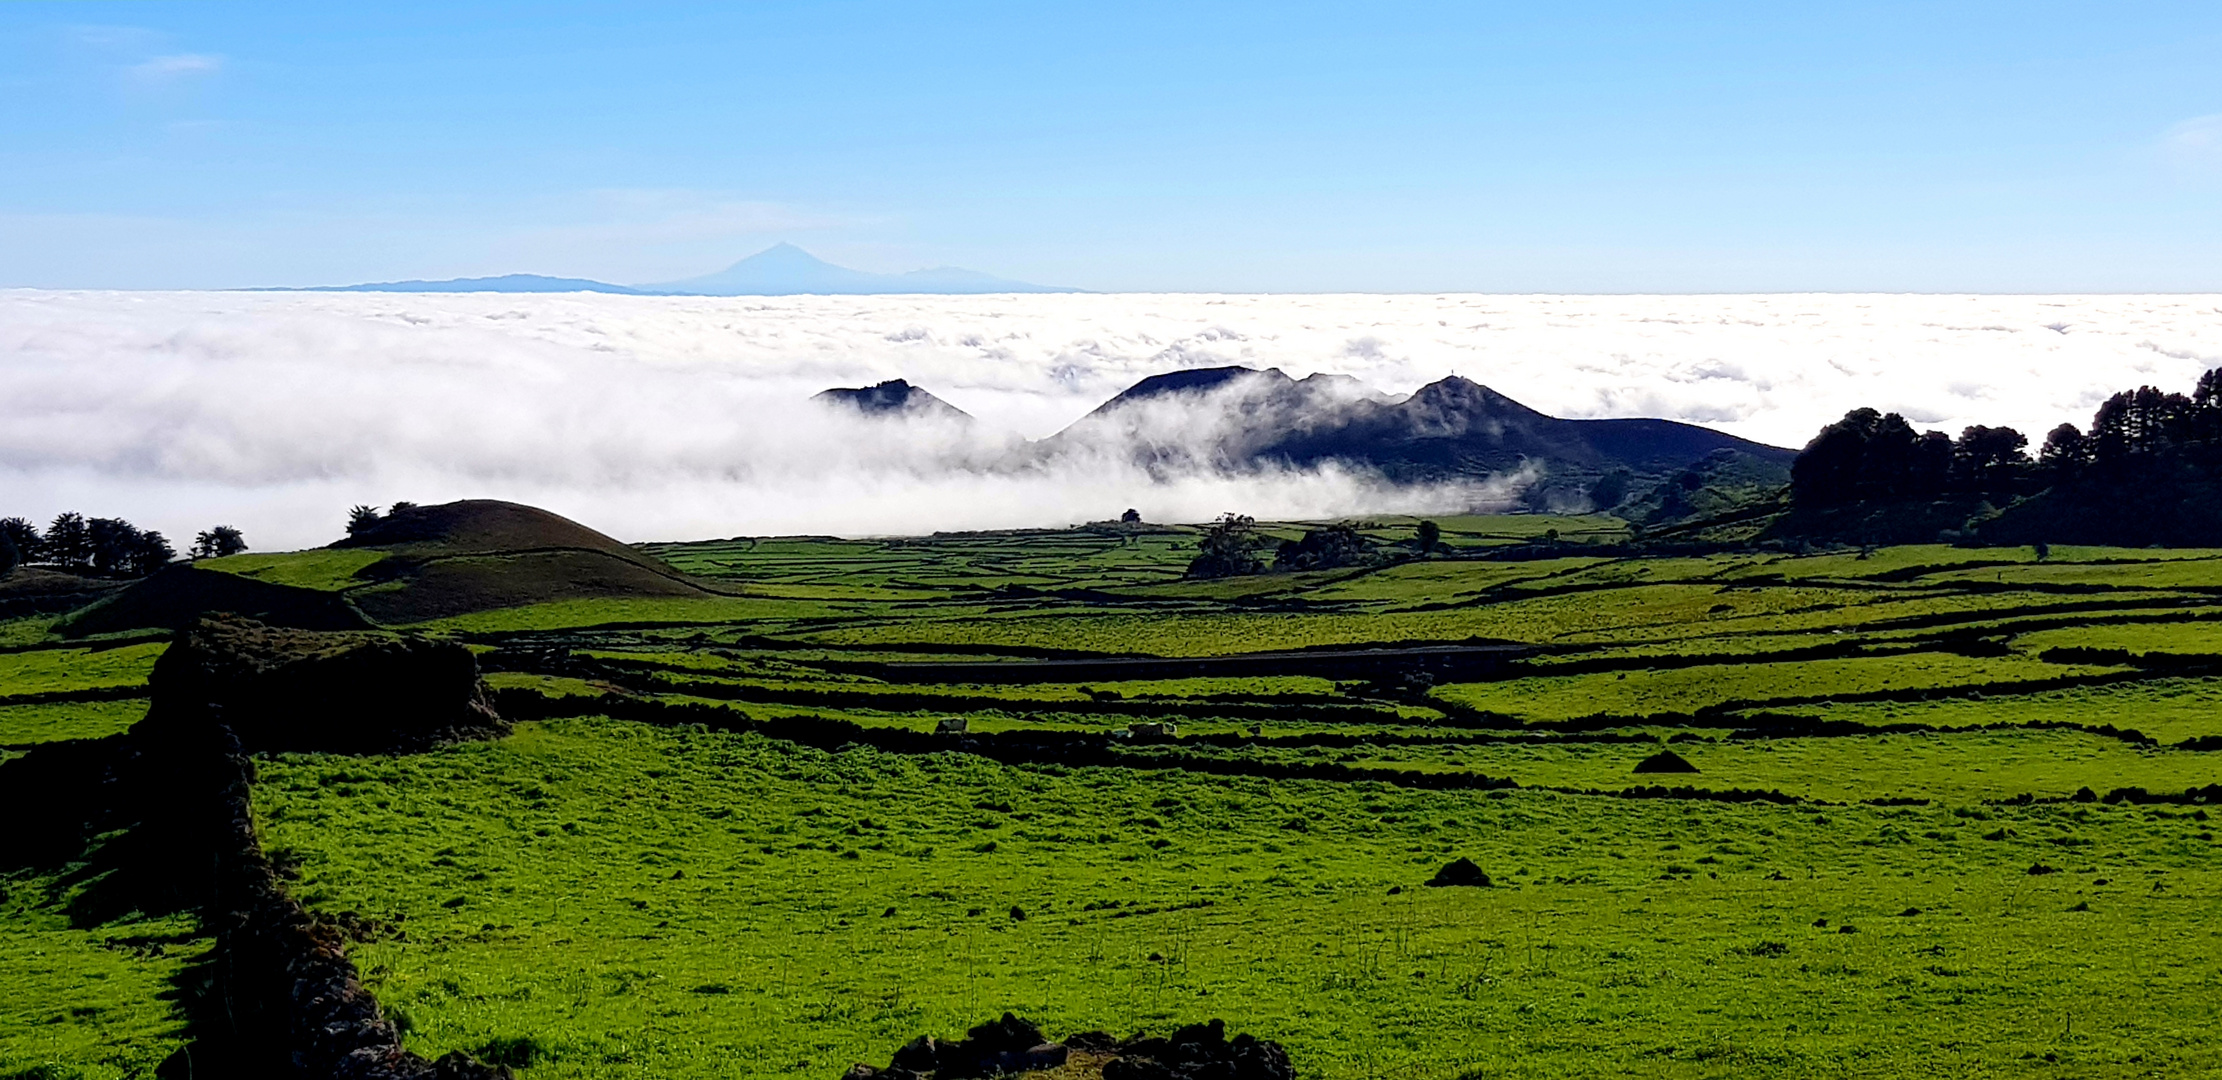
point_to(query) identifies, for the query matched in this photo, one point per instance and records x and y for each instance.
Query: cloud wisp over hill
(673, 417)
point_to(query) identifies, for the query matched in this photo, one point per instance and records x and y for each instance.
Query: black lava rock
(1460, 872)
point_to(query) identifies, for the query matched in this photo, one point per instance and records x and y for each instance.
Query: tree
(218, 542)
(1827, 471)
(361, 518)
(24, 536)
(115, 544)
(399, 507)
(1610, 490)
(2137, 422)
(1430, 536)
(2065, 453)
(1886, 466)
(2208, 394)
(1229, 549)
(1131, 517)
(1989, 459)
(153, 553)
(68, 543)
(1932, 465)
(9, 556)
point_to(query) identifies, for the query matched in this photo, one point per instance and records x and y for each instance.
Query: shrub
(513, 1051)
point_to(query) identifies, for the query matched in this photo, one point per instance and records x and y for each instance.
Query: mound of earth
(439, 561)
(1665, 761)
(485, 526)
(283, 689)
(1011, 1045)
(1460, 871)
(483, 554)
(174, 597)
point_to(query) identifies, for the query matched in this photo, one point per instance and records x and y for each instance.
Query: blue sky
(1575, 147)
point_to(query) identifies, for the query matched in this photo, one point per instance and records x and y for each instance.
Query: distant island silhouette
(779, 270)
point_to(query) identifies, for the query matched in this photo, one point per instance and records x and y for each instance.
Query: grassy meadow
(1928, 876)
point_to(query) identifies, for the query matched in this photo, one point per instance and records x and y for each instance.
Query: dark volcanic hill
(433, 562)
(479, 554)
(895, 397)
(1239, 417)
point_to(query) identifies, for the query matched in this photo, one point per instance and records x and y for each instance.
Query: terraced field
(1950, 814)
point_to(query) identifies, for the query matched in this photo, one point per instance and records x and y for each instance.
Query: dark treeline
(1233, 547)
(2148, 470)
(1870, 455)
(108, 546)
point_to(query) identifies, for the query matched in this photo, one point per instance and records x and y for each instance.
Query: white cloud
(2195, 143)
(675, 417)
(175, 68)
(2199, 132)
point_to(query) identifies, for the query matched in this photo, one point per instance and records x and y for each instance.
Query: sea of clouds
(686, 417)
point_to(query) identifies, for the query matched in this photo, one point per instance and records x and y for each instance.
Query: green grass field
(624, 899)
(42, 671)
(23, 725)
(91, 1003)
(723, 905)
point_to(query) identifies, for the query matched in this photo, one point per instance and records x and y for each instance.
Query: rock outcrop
(1461, 871)
(1011, 1045)
(300, 690)
(1665, 761)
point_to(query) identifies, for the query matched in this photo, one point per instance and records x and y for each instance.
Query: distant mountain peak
(1241, 418)
(506, 283)
(779, 270)
(1192, 381)
(1456, 393)
(895, 397)
(785, 269)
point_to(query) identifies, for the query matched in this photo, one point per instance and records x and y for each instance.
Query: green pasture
(1688, 689)
(2203, 637)
(1955, 768)
(1648, 613)
(633, 901)
(15, 633)
(2169, 710)
(649, 611)
(46, 671)
(323, 568)
(624, 900)
(24, 725)
(83, 1003)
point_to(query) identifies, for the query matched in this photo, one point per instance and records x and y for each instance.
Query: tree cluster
(109, 546)
(2137, 435)
(217, 542)
(1232, 547)
(362, 519)
(1229, 549)
(1328, 548)
(1873, 456)
(2148, 470)
(2142, 431)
